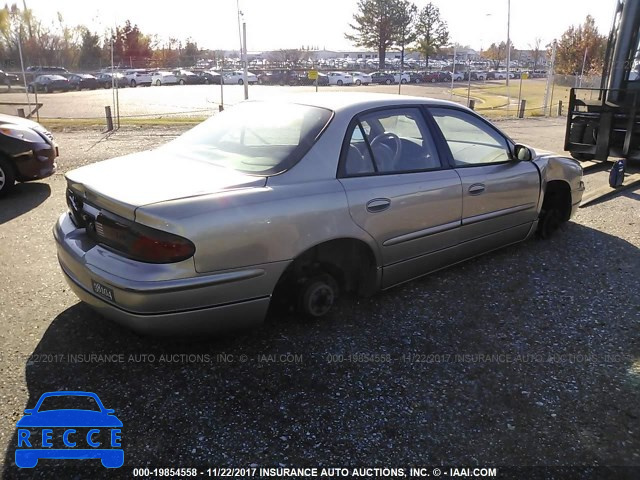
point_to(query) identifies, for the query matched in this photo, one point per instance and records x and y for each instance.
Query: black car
(382, 78)
(105, 80)
(49, 83)
(280, 77)
(27, 151)
(8, 79)
(210, 77)
(185, 77)
(323, 79)
(80, 81)
(34, 71)
(416, 77)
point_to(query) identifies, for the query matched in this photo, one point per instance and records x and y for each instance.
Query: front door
(399, 192)
(499, 193)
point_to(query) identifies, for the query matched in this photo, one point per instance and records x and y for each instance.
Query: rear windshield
(258, 138)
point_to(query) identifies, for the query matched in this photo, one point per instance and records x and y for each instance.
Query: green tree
(378, 24)
(406, 33)
(189, 54)
(573, 44)
(90, 51)
(432, 31)
(131, 47)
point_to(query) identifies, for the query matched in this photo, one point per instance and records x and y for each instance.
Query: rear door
(400, 192)
(499, 193)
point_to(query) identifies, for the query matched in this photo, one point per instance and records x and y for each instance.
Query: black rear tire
(7, 177)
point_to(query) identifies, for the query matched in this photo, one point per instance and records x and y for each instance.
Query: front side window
(255, 137)
(471, 141)
(390, 141)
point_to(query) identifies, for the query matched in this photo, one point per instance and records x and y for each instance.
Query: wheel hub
(321, 300)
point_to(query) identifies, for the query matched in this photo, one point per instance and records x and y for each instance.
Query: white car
(237, 78)
(501, 75)
(137, 77)
(360, 78)
(401, 78)
(340, 78)
(457, 76)
(163, 78)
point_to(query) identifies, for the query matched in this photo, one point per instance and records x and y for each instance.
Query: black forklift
(603, 124)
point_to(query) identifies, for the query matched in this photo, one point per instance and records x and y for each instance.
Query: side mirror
(28, 411)
(523, 153)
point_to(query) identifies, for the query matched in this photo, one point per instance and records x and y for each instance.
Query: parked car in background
(237, 78)
(403, 77)
(323, 79)
(27, 151)
(266, 204)
(49, 83)
(433, 77)
(187, 77)
(478, 76)
(456, 76)
(382, 78)
(280, 77)
(360, 78)
(9, 79)
(81, 81)
(340, 78)
(42, 70)
(497, 75)
(34, 71)
(416, 77)
(138, 77)
(162, 77)
(105, 80)
(210, 77)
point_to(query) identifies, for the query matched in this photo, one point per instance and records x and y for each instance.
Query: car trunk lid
(123, 184)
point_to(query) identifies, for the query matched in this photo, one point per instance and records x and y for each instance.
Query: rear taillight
(140, 242)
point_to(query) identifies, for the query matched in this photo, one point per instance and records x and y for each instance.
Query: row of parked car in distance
(50, 79)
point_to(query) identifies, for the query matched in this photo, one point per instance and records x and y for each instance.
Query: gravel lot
(526, 356)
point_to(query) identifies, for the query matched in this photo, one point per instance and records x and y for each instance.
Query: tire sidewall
(9, 177)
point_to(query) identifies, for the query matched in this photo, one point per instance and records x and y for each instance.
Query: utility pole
(508, 40)
(244, 60)
(550, 77)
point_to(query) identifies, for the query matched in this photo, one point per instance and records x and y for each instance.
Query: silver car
(302, 197)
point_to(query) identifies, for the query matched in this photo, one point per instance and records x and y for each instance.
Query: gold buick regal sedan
(312, 195)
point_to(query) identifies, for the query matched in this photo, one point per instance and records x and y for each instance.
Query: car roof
(338, 101)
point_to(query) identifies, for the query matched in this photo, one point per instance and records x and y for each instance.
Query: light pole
(508, 39)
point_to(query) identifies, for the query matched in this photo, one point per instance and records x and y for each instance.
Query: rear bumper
(190, 322)
(165, 299)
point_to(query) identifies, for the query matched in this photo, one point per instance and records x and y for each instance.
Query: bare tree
(536, 52)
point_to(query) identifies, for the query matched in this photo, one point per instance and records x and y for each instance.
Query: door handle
(476, 189)
(378, 205)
